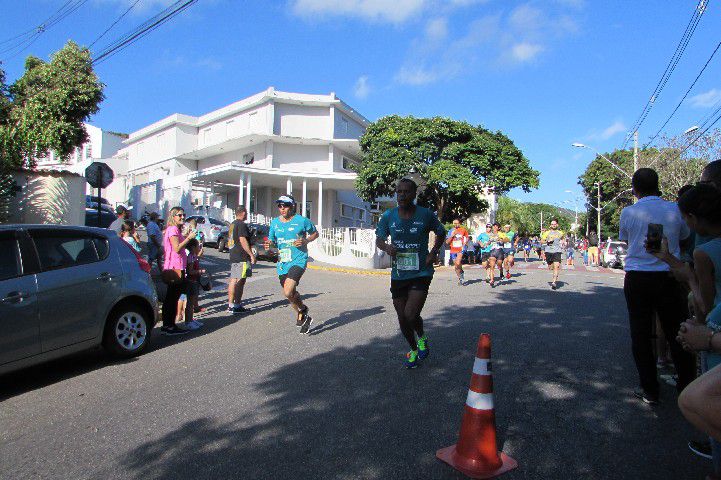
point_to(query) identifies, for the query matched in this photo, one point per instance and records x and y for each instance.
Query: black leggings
(170, 302)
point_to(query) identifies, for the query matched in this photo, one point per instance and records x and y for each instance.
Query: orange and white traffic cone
(476, 454)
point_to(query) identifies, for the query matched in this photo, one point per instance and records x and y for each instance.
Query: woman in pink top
(175, 259)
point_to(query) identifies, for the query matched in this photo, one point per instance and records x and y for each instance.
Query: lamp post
(581, 145)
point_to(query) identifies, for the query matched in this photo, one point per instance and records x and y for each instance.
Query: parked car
(259, 235)
(613, 254)
(106, 218)
(66, 289)
(92, 202)
(209, 227)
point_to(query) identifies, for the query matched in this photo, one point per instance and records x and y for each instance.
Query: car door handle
(105, 277)
(14, 297)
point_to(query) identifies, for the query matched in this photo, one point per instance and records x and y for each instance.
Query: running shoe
(554, 286)
(236, 310)
(702, 449)
(307, 321)
(300, 319)
(645, 397)
(508, 275)
(197, 324)
(189, 325)
(423, 349)
(412, 359)
(170, 331)
(461, 279)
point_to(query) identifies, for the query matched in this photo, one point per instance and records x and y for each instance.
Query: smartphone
(654, 234)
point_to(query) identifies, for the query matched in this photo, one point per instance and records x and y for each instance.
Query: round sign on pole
(99, 175)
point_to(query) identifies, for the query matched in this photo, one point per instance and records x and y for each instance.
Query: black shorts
(498, 254)
(485, 256)
(400, 288)
(552, 258)
(294, 273)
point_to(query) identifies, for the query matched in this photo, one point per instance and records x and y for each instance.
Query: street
(247, 397)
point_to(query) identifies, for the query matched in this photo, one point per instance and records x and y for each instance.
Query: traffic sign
(99, 175)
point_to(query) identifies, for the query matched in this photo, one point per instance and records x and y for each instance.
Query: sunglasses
(180, 215)
(285, 205)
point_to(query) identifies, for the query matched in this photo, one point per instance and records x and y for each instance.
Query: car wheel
(127, 331)
(221, 245)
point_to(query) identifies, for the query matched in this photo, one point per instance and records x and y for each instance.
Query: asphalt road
(247, 397)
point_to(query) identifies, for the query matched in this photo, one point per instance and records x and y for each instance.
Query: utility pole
(598, 210)
(635, 151)
(541, 222)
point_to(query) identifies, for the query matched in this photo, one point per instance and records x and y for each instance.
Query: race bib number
(507, 245)
(407, 261)
(457, 243)
(285, 255)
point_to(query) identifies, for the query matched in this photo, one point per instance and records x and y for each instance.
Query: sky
(546, 73)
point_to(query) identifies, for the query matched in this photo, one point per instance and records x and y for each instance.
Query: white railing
(350, 247)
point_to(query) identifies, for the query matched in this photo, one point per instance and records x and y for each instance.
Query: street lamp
(581, 145)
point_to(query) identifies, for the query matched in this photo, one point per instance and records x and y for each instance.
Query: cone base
(447, 455)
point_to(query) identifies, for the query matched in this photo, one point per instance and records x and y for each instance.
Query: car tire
(221, 245)
(127, 331)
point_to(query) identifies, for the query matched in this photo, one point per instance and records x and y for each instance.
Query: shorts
(498, 254)
(569, 254)
(400, 288)
(593, 250)
(509, 251)
(553, 257)
(193, 288)
(241, 270)
(294, 273)
(455, 255)
(485, 256)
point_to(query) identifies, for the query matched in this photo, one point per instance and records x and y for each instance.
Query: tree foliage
(525, 218)
(44, 110)
(455, 161)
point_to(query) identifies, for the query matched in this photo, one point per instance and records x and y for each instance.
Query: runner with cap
(457, 240)
(484, 240)
(495, 241)
(291, 233)
(554, 251)
(509, 249)
(409, 226)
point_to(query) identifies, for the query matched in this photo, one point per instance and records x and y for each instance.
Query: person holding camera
(649, 286)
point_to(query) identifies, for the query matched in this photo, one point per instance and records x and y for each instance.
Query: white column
(247, 192)
(241, 195)
(302, 208)
(320, 203)
(289, 186)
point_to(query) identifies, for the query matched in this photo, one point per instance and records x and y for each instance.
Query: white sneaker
(190, 326)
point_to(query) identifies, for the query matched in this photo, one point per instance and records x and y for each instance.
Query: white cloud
(524, 52)
(437, 29)
(612, 130)
(362, 89)
(392, 11)
(416, 75)
(706, 99)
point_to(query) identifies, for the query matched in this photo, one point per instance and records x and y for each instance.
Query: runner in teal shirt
(292, 233)
(408, 227)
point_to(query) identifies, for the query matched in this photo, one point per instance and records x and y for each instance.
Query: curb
(352, 271)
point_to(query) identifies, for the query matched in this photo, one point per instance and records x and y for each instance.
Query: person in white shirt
(649, 286)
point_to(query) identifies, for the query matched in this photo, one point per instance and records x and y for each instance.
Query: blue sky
(545, 72)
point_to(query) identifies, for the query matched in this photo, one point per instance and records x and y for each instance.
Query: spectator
(155, 241)
(593, 248)
(123, 214)
(174, 268)
(569, 252)
(194, 272)
(127, 233)
(649, 286)
(241, 260)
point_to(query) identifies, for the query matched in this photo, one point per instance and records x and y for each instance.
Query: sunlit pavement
(247, 397)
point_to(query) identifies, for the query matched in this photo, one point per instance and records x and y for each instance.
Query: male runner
(408, 226)
(495, 242)
(509, 249)
(484, 240)
(552, 240)
(292, 233)
(457, 241)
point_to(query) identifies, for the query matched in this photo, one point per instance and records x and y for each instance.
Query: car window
(9, 264)
(65, 251)
(216, 222)
(102, 247)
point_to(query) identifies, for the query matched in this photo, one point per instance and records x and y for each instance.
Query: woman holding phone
(174, 266)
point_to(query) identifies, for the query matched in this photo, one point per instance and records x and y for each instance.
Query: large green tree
(525, 218)
(44, 110)
(454, 160)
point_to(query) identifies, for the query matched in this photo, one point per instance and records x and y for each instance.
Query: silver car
(210, 227)
(67, 289)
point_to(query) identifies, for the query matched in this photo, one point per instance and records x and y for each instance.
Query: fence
(348, 247)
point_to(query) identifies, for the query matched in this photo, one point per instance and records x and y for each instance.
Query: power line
(684, 97)
(675, 58)
(114, 23)
(144, 29)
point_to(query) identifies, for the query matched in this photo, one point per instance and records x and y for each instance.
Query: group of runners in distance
(403, 233)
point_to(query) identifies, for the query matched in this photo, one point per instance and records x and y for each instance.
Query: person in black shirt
(241, 260)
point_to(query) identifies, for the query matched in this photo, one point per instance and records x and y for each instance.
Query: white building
(249, 153)
(102, 146)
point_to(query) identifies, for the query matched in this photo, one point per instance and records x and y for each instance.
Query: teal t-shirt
(483, 239)
(509, 243)
(410, 237)
(283, 234)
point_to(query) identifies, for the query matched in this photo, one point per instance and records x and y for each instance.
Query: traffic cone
(476, 454)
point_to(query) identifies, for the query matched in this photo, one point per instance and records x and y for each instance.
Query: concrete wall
(302, 121)
(301, 158)
(345, 127)
(48, 197)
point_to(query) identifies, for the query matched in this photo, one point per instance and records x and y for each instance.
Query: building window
(352, 213)
(89, 150)
(349, 164)
(248, 158)
(343, 124)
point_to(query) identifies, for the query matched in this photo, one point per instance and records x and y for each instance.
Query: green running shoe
(412, 359)
(423, 350)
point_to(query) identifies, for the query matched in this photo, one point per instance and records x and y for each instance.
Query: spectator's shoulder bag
(173, 275)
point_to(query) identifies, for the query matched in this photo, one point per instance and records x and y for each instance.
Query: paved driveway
(247, 397)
